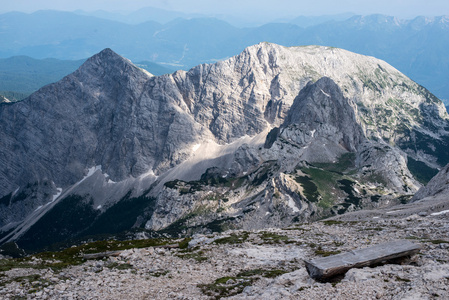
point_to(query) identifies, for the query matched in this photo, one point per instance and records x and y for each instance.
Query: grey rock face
(321, 127)
(438, 186)
(322, 109)
(103, 114)
(74, 124)
(319, 103)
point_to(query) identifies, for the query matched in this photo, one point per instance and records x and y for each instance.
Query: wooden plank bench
(324, 268)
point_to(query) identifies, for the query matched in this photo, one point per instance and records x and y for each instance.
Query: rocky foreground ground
(266, 264)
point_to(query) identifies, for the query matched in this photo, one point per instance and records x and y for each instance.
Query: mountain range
(416, 47)
(164, 16)
(271, 136)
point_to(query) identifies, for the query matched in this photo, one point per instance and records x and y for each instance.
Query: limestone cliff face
(255, 90)
(107, 113)
(272, 122)
(321, 110)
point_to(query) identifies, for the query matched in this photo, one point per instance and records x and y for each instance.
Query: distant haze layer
(250, 8)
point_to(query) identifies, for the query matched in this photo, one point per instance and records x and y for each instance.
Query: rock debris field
(265, 264)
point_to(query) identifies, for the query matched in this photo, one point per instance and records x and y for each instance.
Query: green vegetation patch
(332, 222)
(233, 285)
(32, 283)
(344, 163)
(184, 244)
(8, 264)
(404, 199)
(375, 198)
(194, 254)
(347, 186)
(74, 255)
(12, 250)
(430, 98)
(325, 181)
(74, 218)
(225, 287)
(325, 253)
(234, 238)
(113, 245)
(422, 172)
(402, 279)
(182, 228)
(370, 84)
(438, 148)
(273, 238)
(119, 266)
(262, 273)
(371, 229)
(437, 242)
(159, 273)
(299, 228)
(67, 219)
(310, 188)
(121, 216)
(178, 226)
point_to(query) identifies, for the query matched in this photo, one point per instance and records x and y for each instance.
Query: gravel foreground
(265, 264)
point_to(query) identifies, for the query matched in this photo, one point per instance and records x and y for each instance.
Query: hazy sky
(278, 8)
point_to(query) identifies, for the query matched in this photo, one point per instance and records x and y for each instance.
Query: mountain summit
(269, 136)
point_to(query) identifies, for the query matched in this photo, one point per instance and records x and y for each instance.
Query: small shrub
(402, 279)
(159, 273)
(197, 256)
(273, 238)
(184, 244)
(233, 239)
(325, 253)
(332, 222)
(436, 242)
(221, 288)
(119, 266)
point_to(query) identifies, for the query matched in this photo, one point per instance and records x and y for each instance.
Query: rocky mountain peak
(322, 110)
(107, 57)
(114, 136)
(376, 21)
(108, 65)
(71, 118)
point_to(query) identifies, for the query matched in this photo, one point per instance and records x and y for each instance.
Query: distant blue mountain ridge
(416, 47)
(23, 75)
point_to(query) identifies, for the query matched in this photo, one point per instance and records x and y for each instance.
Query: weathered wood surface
(327, 267)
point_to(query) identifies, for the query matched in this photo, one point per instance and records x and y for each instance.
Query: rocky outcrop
(271, 122)
(438, 186)
(258, 264)
(321, 110)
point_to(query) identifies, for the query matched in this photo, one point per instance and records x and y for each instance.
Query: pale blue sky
(274, 9)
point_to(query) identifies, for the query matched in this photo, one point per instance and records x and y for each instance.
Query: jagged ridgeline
(272, 136)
